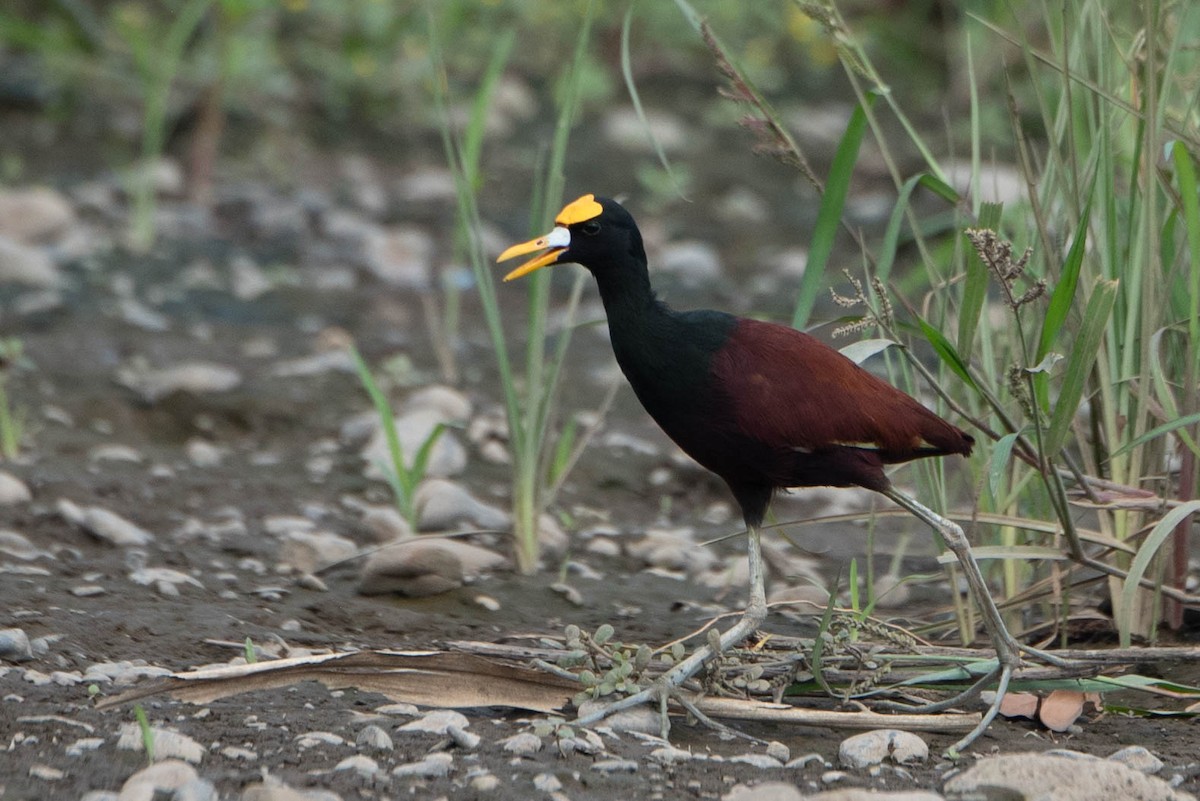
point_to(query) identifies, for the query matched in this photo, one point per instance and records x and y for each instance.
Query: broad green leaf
(998, 463)
(891, 235)
(946, 351)
(1080, 362)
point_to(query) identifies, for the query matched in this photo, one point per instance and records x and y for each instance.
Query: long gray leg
(751, 619)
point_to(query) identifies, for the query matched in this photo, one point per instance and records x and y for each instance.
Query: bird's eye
(591, 228)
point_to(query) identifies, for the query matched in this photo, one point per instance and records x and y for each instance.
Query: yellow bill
(554, 244)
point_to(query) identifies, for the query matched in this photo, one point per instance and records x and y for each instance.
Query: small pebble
(777, 750)
(523, 744)
(360, 764)
(434, 766)
(485, 783)
(375, 738)
(14, 645)
(760, 761)
(13, 490)
(462, 738)
(46, 773)
(437, 722)
(615, 766)
(547, 783)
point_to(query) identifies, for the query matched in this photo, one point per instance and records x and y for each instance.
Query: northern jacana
(763, 406)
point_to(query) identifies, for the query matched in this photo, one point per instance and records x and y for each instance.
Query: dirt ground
(78, 597)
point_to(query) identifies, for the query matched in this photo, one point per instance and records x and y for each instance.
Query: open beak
(554, 244)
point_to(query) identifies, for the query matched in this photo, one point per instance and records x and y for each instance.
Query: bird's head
(595, 232)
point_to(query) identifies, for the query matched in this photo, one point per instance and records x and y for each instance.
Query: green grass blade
(1158, 431)
(1185, 176)
(1141, 562)
(998, 463)
(1080, 363)
(829, 216)
(946, 352)
(472, 145)
(975, 287)
(891, 234)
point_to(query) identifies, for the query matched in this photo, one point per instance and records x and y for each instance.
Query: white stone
(873, 747)
(447, 457)
(437, 722)
(363, 765)
(434, 766)
(764, 791)
(196, 378)
(168, 744)
(103, 524)
(451, 405)
(547, 783)
(163, 777)
(27, 266)
(443, 504)
(400, 256)
(34, 214)
(309, 551)
(375, 738)
(13, 490)
(523, 744)
(693, 262)
(425, 566)
(1039, 777)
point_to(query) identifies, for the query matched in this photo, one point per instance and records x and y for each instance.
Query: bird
(764, 406)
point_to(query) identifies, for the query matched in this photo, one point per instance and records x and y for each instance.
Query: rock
(862, 794)
(1054, 778)
(362, 765)
(310, 551)
(760, 761)
(14, 645)
(625, 129)
(203, 454)
(437, 722)
(673, 550)
(427, 185)
(442, 504)
(104, 525)
(273, 790)
(18, 546)
(642, 719)
(891, 592)
(547, 783)
(115, 453)
(434, 766)
(34, 215)
(425, 566)
(766, 791)
(165, 778)
(374, 738)
(451, 405)
(615, 766)
(1139, 758)
(168, 744)
(873, 747)
(13, 490)
(777, 750)
(447, 457)
(400, 256)
(523, 744)
(694, 263)
(196, 378)
(247, 280)
(485, 783)
(386, 523)
(328, 361)
(27, 266)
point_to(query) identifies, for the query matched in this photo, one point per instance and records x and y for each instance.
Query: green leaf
(1158, 431)
(829, 215)
(976, 285)
(891, 235)
(859, 352)
(998, 463)
(946, 352)
(1141, 563)
(635, 98)
(1080, 363)
(1061, 300)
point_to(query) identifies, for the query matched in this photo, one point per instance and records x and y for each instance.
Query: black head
(596, 232)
